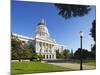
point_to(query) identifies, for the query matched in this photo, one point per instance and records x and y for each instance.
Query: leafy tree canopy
(85, 53)
(93, 30)
(68, 10)
(20, 49)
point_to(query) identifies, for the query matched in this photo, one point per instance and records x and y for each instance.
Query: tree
(93, 35)
(71, 54)
(31, 46)
(65, 54)
(93, 51)
(19, 49)
(16, 47)
(85, 53)
(40, 57)
(34, 57)
(68, 10)
(27, 51)
(93, 30)
(58, 55)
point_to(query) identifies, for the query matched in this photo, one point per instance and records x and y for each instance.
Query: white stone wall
(46, 48)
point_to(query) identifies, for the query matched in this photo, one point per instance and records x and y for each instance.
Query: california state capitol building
(42, 41)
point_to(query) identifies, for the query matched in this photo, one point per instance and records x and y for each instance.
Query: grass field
(34, 67)
(87, 62)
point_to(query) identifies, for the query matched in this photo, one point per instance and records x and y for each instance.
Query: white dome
(42, 30)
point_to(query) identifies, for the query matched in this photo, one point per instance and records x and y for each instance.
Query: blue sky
(26, 15)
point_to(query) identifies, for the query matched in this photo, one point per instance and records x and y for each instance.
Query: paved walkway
(74, 66)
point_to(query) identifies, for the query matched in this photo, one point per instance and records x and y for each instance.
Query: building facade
(42, 41)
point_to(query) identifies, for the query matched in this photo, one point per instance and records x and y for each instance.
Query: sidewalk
(74, 66)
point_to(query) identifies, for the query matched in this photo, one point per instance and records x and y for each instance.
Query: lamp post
(81, 36)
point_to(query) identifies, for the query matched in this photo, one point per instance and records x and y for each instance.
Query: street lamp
(81, 36)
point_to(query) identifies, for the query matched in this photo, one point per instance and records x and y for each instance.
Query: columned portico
(44, 43)
(45, 49)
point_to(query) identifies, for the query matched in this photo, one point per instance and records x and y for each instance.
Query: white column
(47, 47)
(54, 52)
(36, 46)
(54, 56)
(51, 56)
(44, 48)
(52, 49)
(50, 46)
(37, 50)
(49, 51)
(41, 47)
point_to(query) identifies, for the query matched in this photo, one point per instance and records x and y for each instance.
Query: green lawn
(90, 62)
(34, 67)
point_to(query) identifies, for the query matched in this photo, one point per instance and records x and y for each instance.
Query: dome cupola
(42, 30)
(42, 22)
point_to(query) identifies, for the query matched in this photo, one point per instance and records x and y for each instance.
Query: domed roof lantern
(42, 22)
(42, 30)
